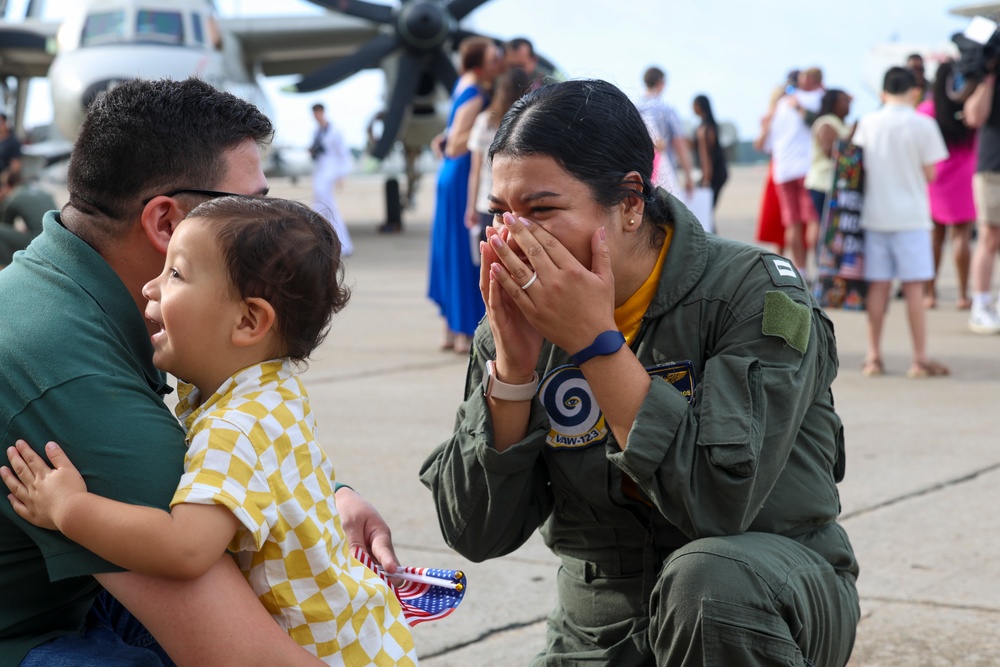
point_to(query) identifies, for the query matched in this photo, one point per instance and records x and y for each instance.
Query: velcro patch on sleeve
(787, 319)
(781, 270)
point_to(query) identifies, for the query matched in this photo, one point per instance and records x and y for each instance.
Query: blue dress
(454, 279)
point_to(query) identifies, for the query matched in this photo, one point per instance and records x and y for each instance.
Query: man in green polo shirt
(76, 367)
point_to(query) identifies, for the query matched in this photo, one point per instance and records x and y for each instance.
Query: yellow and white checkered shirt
(251, 448)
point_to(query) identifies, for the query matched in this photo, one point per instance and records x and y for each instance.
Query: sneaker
(984, 321)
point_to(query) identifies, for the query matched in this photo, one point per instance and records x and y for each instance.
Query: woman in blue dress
(454, 278)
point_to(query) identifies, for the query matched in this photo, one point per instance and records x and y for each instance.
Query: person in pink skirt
(952, 205)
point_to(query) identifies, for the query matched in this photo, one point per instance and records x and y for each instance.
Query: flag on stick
(426, 594)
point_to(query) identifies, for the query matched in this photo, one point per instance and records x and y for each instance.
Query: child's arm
(183, 544)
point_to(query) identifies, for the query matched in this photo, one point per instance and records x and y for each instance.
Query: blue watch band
(606, 343)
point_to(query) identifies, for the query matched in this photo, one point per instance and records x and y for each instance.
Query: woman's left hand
(567, 303)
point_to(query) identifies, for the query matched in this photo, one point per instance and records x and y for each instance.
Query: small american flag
(426, 594)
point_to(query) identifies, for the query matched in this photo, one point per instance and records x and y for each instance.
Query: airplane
(108, 41)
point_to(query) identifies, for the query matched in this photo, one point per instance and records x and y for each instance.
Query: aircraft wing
(281, 45)
(985, 9)
(27, 47)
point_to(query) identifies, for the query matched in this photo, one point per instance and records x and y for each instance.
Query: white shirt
(791, 140)
(897, 143)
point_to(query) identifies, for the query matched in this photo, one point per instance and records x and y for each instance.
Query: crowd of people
(927, 177)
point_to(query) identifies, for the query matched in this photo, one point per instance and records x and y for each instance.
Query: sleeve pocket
(729, 421)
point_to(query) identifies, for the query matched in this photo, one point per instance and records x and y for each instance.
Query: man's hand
(38, 493)
(365, 527)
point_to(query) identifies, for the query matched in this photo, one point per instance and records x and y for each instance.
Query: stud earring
(631, 222)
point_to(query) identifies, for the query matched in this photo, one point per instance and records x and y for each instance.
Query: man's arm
(213, 620)
(979, 105)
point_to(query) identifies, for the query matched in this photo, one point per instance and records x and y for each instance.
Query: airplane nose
(93, 90)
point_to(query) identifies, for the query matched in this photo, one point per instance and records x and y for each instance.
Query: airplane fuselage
(116, 40)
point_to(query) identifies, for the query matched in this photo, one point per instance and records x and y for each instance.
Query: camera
(979, 53)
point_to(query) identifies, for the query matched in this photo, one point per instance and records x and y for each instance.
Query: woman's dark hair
(946, 110)
(287, 254)
(707, 117)
(595, 133)
(829, 102)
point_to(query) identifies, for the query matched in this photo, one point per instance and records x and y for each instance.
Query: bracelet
(606, 343)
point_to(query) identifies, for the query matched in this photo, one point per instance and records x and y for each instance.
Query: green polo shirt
(75, 367)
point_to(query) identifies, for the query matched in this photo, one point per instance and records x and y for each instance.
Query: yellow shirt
(252, 449)
(628, 316)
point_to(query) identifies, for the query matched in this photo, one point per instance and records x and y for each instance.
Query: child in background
(248, 290)
(901, 151)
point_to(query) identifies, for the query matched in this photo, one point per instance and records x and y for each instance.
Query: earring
(631, 222)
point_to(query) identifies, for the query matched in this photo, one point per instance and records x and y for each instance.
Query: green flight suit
(737, 558)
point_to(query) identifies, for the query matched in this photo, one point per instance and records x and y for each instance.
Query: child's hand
(38, 493)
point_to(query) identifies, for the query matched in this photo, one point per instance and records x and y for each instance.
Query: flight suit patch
(783, 273)
(787, 319)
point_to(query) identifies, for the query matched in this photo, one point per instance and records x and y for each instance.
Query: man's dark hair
(898, 81)
(144, 138)
(287, 254)
(594, 132)
(519, 43)
(318, 107)
(653, 76)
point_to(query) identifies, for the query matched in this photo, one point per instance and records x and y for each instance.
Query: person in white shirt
(900, 151)
(667, 132)
(791, 142)
(332, 161)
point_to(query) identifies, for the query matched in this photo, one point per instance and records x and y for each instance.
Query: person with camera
(982, 111)
(332, 161)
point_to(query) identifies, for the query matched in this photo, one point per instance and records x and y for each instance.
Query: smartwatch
(494, 388)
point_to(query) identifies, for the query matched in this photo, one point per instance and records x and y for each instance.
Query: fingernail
(508, 218)
(496, 241)
(49, 446)
(524, 221)
(604, 234)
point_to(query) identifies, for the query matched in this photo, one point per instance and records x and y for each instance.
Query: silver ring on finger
(534, 277)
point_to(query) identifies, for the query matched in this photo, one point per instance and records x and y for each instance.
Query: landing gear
(393, 208)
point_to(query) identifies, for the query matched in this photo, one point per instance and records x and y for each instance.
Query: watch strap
(494, 388)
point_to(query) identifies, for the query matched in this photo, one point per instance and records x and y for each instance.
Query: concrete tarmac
(921, 500)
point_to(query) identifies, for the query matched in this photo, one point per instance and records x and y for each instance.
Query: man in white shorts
(901, 149)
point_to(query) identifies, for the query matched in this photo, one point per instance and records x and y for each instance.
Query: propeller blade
(359, 9)
(367, 56)
(407, 79)
(444, 70)
(459, 9)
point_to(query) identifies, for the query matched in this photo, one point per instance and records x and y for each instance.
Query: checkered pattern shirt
(251, 448)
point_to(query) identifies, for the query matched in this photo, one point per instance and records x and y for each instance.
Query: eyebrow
(528, 198)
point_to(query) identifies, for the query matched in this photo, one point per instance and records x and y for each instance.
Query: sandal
(462, 344)
(928, 369)
(872, 368)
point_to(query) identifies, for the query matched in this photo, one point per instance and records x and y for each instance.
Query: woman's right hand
(517, 342)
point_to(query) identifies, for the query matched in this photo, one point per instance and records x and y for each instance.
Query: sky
(734, 51)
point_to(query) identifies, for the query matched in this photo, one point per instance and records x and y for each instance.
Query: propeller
(420, 32)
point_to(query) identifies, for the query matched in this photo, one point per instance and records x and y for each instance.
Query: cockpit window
(196, 31)
(162, 27)
(103, 28)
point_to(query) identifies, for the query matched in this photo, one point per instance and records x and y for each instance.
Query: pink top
(951, 193)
